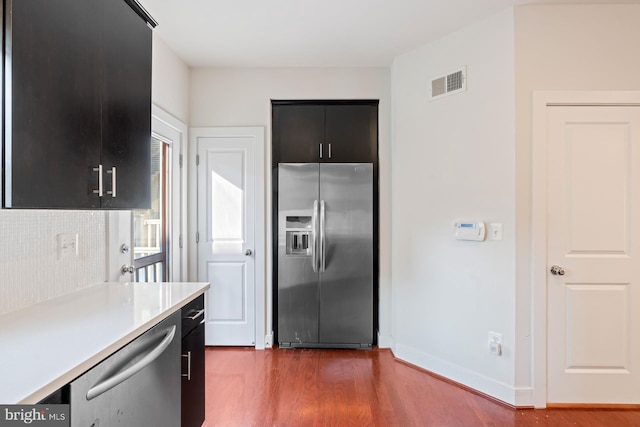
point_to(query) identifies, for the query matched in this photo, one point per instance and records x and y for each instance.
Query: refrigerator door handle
(322, 243)
(314, 237)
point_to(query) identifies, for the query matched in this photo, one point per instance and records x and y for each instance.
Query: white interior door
(227, 236)
(593, 219)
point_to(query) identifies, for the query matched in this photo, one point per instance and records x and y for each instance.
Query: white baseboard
(385, 341)
(268, 340)
(523, 396)
(516, 396)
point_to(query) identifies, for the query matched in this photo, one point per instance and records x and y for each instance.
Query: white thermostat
(469, 231)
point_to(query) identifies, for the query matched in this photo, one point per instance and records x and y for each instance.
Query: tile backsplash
(33, 265)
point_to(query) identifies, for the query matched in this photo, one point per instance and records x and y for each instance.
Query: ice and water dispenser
(299, 235)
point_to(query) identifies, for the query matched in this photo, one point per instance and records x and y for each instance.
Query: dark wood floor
(300, 388)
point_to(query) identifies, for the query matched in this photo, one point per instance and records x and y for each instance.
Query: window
(157, 232)
(150, 229)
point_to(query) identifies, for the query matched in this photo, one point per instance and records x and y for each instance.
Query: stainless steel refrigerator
(325, 255)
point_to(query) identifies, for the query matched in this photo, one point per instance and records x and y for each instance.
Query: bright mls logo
(34, 415)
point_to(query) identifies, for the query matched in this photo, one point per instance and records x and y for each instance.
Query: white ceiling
(313, 33)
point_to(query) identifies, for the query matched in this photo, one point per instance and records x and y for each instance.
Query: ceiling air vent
(449, 84)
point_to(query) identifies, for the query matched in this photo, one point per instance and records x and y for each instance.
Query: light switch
(495, 231)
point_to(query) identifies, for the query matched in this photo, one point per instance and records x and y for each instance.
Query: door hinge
(197, 159)
(197, 237)
(180, 241)
(180, 161)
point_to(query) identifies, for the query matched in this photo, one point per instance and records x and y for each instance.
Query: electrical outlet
(67, 245)
(495, 343)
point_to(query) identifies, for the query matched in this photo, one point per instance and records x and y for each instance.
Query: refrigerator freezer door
(346, 284)
(298, 291)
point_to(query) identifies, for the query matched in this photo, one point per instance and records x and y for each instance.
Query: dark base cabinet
(59, 396)
(193, 405)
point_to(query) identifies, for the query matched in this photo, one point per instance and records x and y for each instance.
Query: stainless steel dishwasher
(139, 385)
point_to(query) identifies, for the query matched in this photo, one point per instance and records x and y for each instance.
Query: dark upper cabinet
(77, 105)
(298, 131)
(126, 111)
(351, 133)
(52, 103)
(338, 132)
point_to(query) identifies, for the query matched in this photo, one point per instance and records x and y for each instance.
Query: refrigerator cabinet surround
(325, 255)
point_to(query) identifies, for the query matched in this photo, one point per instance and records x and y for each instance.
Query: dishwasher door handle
(112, 381)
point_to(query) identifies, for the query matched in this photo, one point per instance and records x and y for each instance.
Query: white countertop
(45, 346)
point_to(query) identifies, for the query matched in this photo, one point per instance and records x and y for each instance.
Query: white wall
(561, 47)
(170, 82)
(475, 153)
(453, 159)
(242, 97)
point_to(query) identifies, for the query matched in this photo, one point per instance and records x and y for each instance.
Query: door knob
(556, 270)
(127, 269)
(248, 252)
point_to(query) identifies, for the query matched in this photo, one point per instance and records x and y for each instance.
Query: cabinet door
(298, 131)
(193, 405)
(52, 103)
(352, 131)
(126, 114)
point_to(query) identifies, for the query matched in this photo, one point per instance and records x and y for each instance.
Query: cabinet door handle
(329, 150)
(113, 182)
(320, 150)
(99, 190)
(188, 374)
(196, 315)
